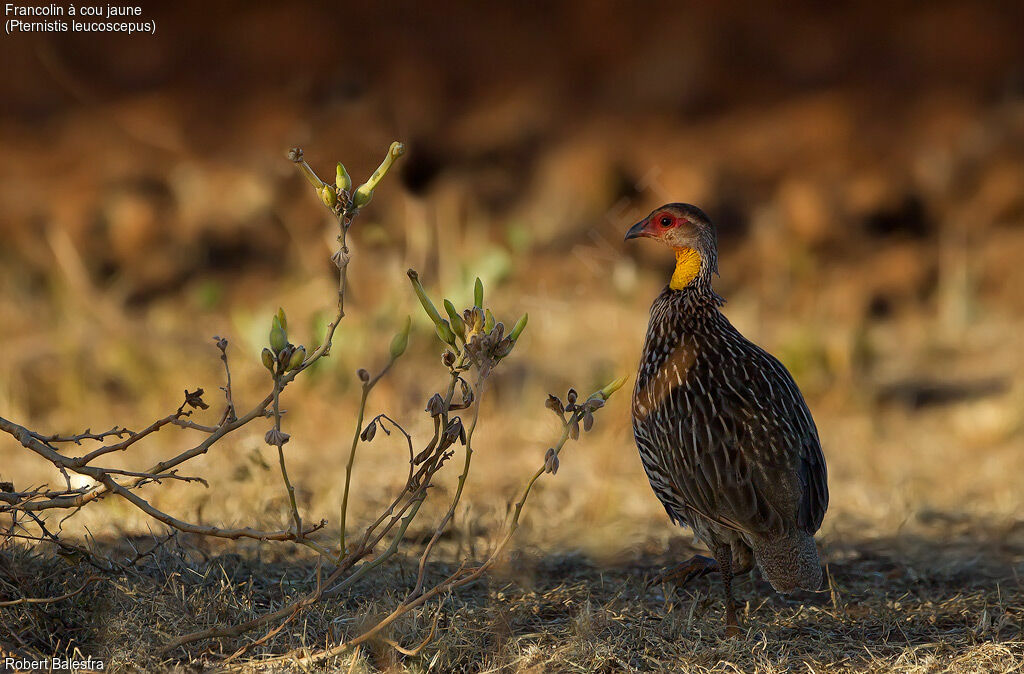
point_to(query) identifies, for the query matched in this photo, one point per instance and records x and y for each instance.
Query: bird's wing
(768, 453)
(736, 445)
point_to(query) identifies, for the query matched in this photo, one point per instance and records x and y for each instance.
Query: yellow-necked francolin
(724, 434)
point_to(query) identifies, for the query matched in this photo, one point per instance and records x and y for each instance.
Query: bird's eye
(665, 221)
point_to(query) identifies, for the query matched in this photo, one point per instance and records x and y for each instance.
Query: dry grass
(924, 538)
(955, 605)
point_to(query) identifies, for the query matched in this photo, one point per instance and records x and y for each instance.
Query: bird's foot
(682, 573)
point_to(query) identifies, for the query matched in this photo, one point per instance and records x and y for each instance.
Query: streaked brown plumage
(724, 434)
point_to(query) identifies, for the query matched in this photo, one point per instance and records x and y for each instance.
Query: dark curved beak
(638, 230)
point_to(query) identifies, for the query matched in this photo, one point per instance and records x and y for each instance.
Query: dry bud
(363, 375)
(268, 359)
(276, 438)
(551, 461)
(554, 404)
(588, 420)
(194, 399)
(474, 319)
(504, 347)
(435, 406)
(467, 393)
(571, 396)
(453, 431)
(448, 359)
(369, 432)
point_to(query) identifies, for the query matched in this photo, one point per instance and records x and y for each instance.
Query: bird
(725, 437)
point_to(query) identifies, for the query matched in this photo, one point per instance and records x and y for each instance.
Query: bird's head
(689, 233)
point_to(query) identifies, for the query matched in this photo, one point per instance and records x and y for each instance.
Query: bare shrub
(474, 343)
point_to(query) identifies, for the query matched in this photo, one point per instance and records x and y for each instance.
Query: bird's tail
(789, 561)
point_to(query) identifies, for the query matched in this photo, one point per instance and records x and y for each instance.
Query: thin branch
(116, 431)
(277, 438)
(229, 413)
(360, 415)
(49, 600)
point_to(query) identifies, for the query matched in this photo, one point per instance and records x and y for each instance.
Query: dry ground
(951, 602)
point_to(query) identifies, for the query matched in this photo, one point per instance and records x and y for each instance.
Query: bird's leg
(682, 573)
(724, 556)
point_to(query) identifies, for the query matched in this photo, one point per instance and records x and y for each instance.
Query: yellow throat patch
(687, 268)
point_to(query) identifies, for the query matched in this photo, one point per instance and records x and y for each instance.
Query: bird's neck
(687, 268)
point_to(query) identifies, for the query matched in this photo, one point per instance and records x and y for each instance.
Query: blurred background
(864, 164)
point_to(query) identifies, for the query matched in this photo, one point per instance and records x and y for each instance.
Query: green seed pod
(488, 321)
(328, 196)
(612, 387)
(444, 331)
(518, 328)
(458, 325)
(478, 293)
(295, 154)
(364, 192)
(297, 359)
(362, 195)
(401, 340)
(343, 181)
(428, 306)
(268, 359)
(278, 335)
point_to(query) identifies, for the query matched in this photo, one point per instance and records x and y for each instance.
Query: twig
(367, 386)
(49, 600)
(116, 431)
(278, 439)
(229, 414)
